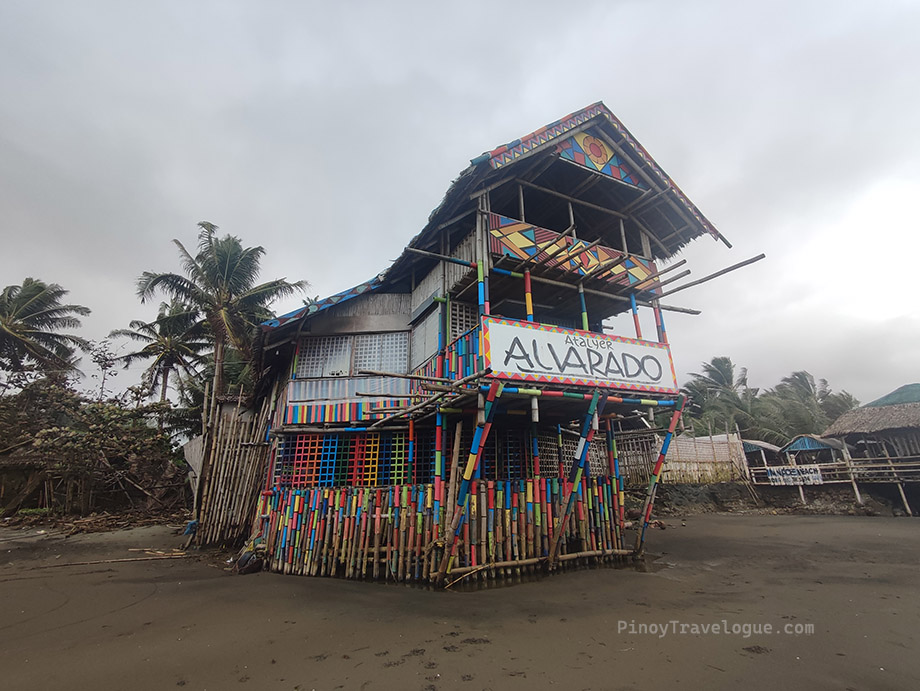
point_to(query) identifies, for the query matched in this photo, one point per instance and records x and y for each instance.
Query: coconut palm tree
(719, 397)
(220, 284)
(32, 318)
(718, 376)
(172, 342)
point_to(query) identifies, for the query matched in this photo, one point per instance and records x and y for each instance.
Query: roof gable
(909, 393)
(592, 152)
(325, 303)
(872, 419)
(540, 139)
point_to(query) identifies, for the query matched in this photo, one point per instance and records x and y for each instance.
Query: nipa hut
(459, 412)
(760, 454)
(888, 427)
(885, 438)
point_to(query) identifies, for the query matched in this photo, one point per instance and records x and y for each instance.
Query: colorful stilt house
(460, 413)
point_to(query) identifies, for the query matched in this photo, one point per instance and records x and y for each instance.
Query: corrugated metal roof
(909, 393)
(752, 445)
(809, 442)
(325, 303)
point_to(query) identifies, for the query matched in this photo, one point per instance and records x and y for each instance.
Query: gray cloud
(328, 133)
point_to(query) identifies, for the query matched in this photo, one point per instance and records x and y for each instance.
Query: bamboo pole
(602, 209)
(711, 276)
(581, 453)
(479, 438)
(454, 471)
(656, 474)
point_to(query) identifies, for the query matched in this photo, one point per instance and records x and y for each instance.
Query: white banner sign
(537, 352)
(795, 475)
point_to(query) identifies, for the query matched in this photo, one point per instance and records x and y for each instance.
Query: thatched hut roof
(870, 420)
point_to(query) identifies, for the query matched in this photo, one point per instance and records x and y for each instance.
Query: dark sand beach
(187, 623)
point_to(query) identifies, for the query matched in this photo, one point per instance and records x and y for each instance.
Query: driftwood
(113, 561)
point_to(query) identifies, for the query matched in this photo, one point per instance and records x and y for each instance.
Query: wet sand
(187, 623)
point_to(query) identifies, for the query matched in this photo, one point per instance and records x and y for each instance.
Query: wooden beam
(714, 275)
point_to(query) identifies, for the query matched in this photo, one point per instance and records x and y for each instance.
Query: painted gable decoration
(585, 149)
(514, 238)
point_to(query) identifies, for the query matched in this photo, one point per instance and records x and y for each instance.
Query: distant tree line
(720, 399)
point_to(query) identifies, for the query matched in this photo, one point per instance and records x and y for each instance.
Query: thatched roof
(869, 420)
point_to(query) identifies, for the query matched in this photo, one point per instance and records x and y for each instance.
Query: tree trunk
(163, 387)
(212, 408)
(218, 388)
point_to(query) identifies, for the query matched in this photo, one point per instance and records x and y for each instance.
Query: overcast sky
(327, 133)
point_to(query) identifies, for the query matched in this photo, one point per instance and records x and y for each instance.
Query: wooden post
(656, 474)
(454, 471)
(584, 308)
(791, 459)
(897, 480)
(848, 461)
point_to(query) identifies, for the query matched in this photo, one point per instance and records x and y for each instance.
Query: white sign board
(795, 475)
(540, 353)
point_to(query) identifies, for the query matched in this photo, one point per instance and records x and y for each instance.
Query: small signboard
(534, 352)
(795, 475)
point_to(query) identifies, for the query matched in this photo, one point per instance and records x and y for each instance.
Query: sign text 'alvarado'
(534, 352)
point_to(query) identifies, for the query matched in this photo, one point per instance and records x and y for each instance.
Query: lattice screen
(341, 356)
(463, 317)
(550, 454)
(387, 352)
(324, 356)
(381, 459)
(331, 460)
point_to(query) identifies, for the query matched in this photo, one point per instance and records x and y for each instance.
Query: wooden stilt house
(458, 413)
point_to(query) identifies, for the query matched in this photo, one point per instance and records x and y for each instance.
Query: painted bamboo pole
(635, 315)
(482, 505)
(596, 407)
(528, 296)
(659, 323)
(479, 439)
(656, 475)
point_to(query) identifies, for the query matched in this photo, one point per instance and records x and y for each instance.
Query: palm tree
(719, 397)
(719, 376)
(32, 317)
(173, 342)
(220, 284)
(800, 397)
(836, 404)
